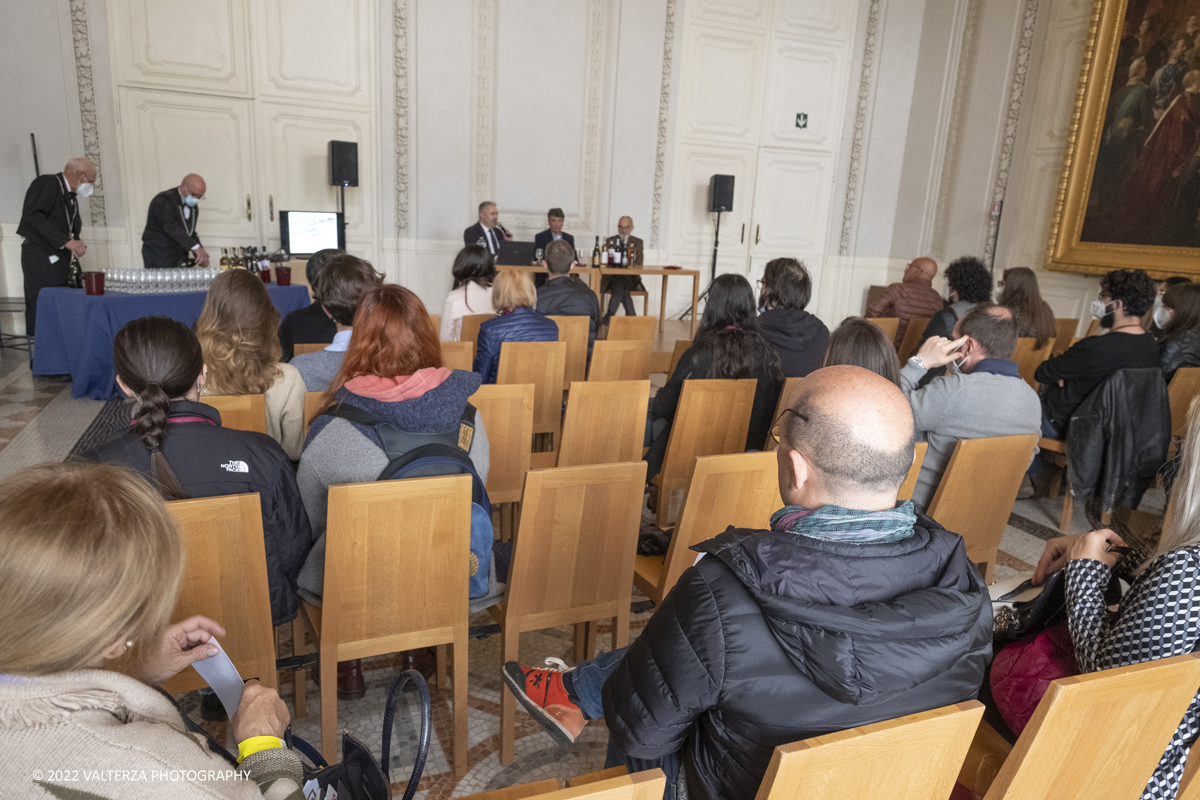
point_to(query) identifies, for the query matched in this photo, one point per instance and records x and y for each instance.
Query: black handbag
(1032, 616)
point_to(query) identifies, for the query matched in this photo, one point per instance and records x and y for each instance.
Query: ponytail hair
(729, 328)
(158, 358)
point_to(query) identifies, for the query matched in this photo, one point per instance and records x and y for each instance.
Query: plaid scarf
(837, 524)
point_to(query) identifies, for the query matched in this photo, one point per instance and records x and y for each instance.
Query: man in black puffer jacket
(850, 610)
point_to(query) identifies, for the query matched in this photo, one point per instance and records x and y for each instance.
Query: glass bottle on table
(596, 254)
(75, 275)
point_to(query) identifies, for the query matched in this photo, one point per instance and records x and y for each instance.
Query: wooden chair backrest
(507, 414)
(647, 785)
(1064, 332)
(458, 355)
(910, 483)
(312, 407)
(625, 328)
(712, 420)
(912, 335)
(542, 364)
(1093, 326)
(1185, 385)
(397, 558)
(605, 422)
(978, 489)
(785, 401)
(242, 412)
(909, 758)
(620, 360)
(1028, 359)
(470, 326)
(741, 490)
(573, 561)
(574, 331)
(1099, 734)
(225, 578)
(308, 347)
(436, 319)
(889, 325)
(681, 347)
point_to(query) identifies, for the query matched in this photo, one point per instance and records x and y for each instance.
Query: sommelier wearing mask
(50, 225)
(171, 225)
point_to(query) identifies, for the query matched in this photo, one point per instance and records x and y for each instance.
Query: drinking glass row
(158, 281)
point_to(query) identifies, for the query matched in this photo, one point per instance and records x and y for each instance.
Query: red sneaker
(543, 695)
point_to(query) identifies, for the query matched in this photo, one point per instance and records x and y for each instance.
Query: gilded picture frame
(1069, 249)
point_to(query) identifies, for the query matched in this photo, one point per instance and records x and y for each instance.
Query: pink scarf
(402, 387)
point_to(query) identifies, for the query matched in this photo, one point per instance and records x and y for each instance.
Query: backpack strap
(396, 443)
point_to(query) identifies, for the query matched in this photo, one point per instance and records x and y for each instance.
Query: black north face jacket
(776, 637)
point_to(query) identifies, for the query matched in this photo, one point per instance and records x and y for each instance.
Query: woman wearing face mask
(1156, 320)
(1179, 345)
(171, 225)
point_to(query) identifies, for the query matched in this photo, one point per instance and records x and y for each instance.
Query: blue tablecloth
(75, 331)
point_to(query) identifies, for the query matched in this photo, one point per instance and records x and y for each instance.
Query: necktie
(493, 242)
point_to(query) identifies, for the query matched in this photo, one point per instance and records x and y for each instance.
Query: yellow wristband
(249, 747)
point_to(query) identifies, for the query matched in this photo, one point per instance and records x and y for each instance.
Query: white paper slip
(312, 790)
(219, 673)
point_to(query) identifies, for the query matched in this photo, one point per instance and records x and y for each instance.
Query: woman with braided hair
(178, 444)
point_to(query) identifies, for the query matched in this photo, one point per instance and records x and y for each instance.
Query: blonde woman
(91, 568)
(1158, 615)
(517, 320)
(238, 331)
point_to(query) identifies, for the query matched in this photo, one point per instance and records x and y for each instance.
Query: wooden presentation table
(594, 275)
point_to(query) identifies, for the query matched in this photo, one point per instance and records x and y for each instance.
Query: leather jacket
(1181, 352)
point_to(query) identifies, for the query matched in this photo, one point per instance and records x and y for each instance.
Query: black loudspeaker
(720, 193)
(343, 163)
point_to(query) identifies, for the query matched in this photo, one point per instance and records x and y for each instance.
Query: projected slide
(310, 231)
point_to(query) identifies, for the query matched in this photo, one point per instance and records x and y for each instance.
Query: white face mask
(84, 189)
(1162, 316)
(1099, 309)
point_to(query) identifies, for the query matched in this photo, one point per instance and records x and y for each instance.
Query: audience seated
(729, 344)
(1155, 320)
(1179, 344)
(982, 395)
(967, 283)
(516, 320)
(852, 609)
(563, 295)
(474, 272)
(238, 331)
(1033, 315)
(92, 566)
(914, 296)
(309, 325)
(1125, 295)
(798, 337)
(858, 342)
(178, 444)
(344, 281)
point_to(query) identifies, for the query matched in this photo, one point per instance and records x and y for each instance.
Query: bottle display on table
(596, 254)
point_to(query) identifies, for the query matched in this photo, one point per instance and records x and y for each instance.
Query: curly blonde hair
(239, 335)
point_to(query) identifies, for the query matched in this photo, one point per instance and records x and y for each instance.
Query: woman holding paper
(90, 571)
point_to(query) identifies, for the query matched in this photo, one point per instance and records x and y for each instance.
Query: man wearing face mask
(171, 225)
(50, 225)
(1125, 295)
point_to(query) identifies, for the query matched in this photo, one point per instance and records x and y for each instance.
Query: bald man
(619, 285)
(50, 224)
(851, 609)
(171, 225)
(914, 296)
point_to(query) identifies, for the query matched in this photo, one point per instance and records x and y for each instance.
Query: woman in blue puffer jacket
(514, 298)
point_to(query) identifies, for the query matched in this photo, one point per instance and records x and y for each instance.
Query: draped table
(75, 331)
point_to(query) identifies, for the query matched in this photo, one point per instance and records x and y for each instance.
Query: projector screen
(306, 232)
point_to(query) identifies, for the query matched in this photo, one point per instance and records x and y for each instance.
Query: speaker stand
(687, 312)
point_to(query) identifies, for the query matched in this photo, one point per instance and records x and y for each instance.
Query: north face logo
(235, 466)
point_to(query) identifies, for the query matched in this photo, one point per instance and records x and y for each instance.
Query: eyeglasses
(779, 422)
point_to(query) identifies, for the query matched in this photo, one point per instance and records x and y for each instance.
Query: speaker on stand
(343, 169)
(720, 199)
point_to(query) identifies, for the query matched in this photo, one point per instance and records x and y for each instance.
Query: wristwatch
(917, 362)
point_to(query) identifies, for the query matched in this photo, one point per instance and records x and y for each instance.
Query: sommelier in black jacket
(50, 225)
(171, 225)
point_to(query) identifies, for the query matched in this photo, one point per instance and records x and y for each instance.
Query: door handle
(756, 236)
(248, 215)
(271, 206)
(743, 239)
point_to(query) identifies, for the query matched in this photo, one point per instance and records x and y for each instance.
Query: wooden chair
(1185, 386)
(1100, 734)
(1028, 359)
(740, 490)
(436, 319)
(912, 336)
(1064, 331)
(542, 364)
(712, 420)
(309, 347)
(1092, 328)
(225, 579)
(312, 407)
(574, 331)
(977, 492)
(242, 412)
(648, 785)
(1062, 481)
(605, 423)
(785, 401)
(626, 328)
(507, 414)
(396, 575)
(458, 355)
(916, 757)
(910, 483)
(620, 360)
(633, 293)
(889, 325)
(681, 347)
(470, 326)
(572, 563)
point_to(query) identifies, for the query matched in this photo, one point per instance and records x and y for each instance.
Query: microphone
(502, 229)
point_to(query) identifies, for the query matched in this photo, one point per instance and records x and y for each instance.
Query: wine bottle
(596, 254)
(75, 276)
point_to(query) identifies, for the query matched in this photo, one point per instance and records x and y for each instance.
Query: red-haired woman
(392, 370)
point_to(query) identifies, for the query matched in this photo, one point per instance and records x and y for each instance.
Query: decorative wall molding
(664, 106)
(483, 140)
(400, 75)
(860, 125)
(87, 106)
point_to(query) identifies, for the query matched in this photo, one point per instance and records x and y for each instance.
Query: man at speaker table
(171, 225)
(554, 233)
(619, 285)
(487, 229)
(50, 225)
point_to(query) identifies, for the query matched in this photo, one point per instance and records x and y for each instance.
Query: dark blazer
(44, 217)
(166, 238)
(473, 234)
(546, 237)
(308, 325)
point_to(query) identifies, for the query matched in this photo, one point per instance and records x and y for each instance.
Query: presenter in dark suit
(554, 218)
(487, 229)
(618, 285)
(50, 224)
(171, 225)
